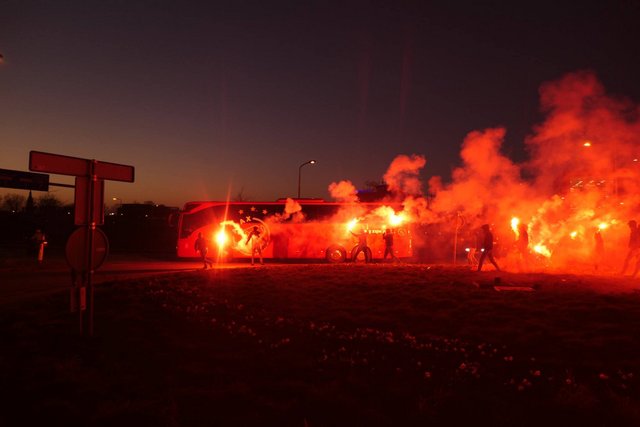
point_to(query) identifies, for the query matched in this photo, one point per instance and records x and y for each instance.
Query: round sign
(76, 249)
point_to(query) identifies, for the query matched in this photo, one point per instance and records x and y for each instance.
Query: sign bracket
(89, 212)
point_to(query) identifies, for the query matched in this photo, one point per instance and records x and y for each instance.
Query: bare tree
(13, 202)
(240, 197)
(48, 202)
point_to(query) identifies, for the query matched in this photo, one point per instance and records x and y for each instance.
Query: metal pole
(309, 162)
(459, 223)
(92, 228)
(299, 174)
(79, 290)
(455, 245)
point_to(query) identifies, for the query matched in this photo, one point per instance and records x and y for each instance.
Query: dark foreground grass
(323, 345)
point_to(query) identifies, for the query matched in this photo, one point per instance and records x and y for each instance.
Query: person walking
(255, 241)
(202, 246)
(487, 248)
(522, 245)
(39, 242)
(598, 250)
(633, 248)
(361, 247)
(388, 244)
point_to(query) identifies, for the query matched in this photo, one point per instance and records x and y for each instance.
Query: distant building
(137, 212)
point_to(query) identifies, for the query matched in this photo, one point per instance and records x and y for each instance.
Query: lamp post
(308, 162)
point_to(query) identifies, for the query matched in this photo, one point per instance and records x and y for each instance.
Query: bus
(293, 229)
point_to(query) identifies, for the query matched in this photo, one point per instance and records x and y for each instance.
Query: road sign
(24, 180)
(75, 166)
(54, 163)
(115, 172)
(87, 245)
(75, 250)
(81, 201)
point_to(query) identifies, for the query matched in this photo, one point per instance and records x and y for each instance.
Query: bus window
(192, 221)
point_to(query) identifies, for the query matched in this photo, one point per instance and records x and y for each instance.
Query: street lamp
(308, 162)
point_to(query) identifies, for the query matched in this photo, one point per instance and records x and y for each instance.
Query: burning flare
(221, 238)
(542, 250)
(352, 224)
(514, 226)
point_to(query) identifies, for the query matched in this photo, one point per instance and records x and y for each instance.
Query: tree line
(16, 203)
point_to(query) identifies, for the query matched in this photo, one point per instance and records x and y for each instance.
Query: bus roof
(189, 206)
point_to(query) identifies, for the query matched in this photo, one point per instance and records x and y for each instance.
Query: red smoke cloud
(578, 112)
(403, 174)
(343, 191)
(583, 173)
(581, 182)
(486, 181)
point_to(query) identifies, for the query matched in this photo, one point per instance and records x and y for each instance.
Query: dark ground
(324, 345)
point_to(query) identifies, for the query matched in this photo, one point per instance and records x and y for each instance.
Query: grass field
(326, 345)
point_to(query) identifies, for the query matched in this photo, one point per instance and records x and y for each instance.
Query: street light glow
(308, 162)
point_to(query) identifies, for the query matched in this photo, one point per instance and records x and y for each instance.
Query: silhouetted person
(388, 245)
(634, 248)
(361, 247)
(487, 248)
(598, 250)
(202, 246)
(39, 241)
(523, 246)
(255, 241)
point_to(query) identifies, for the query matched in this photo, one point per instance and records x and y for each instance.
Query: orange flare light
(603, 226)
(514, 226)
(395, 220)
(222, 238)
(351, 224)
(542, 250)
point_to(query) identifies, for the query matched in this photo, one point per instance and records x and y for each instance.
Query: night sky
(213, 98)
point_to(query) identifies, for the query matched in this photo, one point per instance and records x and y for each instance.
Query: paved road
(22, 277)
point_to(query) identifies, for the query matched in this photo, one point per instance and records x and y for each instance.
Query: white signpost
(89, 212)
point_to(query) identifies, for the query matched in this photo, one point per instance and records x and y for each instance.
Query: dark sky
(206, 98)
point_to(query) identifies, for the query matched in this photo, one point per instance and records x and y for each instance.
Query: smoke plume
(403, 174)
(343, 191)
